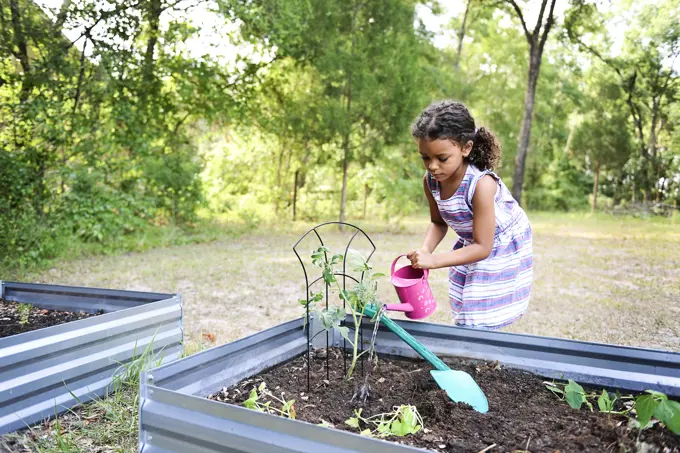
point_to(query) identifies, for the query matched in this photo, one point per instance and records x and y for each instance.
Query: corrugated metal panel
(73, 298)
(175, 422)
(588, 363)
(175, 416)
(51, 369)
(210, 370)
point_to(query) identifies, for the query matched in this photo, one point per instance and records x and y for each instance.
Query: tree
(603, 142)
(649, 82)
(536, 40)
(366, 54)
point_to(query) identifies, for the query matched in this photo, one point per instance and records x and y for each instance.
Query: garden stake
(459, 385)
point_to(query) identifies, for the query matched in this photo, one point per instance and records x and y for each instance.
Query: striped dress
(494, 292)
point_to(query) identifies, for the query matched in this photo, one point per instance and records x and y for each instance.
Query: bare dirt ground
(598, 278)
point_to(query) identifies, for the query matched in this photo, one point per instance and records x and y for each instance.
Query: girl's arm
(436, 230)
(483, 228)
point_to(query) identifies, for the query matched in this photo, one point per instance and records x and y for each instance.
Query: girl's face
(443, 157)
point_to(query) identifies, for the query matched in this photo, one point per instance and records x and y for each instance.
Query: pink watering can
(414, 292)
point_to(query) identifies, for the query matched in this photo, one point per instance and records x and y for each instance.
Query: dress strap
(475, 180)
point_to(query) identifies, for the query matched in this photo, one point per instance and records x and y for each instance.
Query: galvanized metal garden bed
(175, 416)
(46, 371)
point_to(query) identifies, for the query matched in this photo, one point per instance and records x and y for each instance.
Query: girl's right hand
(413, 253)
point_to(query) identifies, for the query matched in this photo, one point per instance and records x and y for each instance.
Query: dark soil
(523, 415)
(18, 318)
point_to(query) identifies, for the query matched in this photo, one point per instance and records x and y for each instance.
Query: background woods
(119, 117)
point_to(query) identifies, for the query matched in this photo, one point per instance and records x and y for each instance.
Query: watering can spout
(406, 308)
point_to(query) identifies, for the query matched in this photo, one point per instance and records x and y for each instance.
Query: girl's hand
(420, 259)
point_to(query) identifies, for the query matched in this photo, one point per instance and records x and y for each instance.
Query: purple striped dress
(494, 292)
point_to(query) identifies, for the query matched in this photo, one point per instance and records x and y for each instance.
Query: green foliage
(257, 397)
(651, 404)
(362, 293)
(139, 124)
(24, 312)
(400, 422)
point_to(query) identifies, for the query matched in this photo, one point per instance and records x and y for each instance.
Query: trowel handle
(426, 272)
(370, 311)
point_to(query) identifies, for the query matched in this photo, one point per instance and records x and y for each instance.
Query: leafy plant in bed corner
(642, 409)
(363, 293)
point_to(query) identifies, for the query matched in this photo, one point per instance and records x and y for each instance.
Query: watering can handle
(426, 272)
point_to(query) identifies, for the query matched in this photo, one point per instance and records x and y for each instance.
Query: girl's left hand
(421, 259)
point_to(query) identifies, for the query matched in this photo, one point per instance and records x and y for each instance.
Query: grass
(72, 248)
(105, 425)
(597, 278)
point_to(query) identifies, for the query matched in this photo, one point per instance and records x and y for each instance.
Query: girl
(491, 264)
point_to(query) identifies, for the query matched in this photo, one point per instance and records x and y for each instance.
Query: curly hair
(451, 120)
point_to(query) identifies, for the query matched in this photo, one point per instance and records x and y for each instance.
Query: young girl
(491, 264)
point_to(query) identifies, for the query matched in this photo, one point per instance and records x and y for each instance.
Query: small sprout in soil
(646, 407)
(24, 312)
(402, 421)
(256, 402)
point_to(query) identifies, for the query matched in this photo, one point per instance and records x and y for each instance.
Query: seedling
(363, 293)
(24, 313)
(402, 421)
(647, 406)
(256, 402)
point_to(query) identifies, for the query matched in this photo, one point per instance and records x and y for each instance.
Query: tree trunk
(345, 162)
(461, 34)
(596, 185)
(154, 10)
(633, 197)
(279, 183)
(295, 187)
(345, 165)
(22, 55)
(365, 199)
(525, 131)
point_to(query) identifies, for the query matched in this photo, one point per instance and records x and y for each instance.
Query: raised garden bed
(74, 340)
(16, 318)
(177, 416)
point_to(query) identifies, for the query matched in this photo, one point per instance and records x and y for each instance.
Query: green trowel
(459, 385)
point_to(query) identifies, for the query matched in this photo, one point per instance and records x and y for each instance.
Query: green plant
(651, 404)
(24, 313)
(362, 294)
(256, 402)
(400, 422)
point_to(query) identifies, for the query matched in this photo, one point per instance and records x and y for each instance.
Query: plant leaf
(353, 422)
(355, 261)
(366, 432)
(604, 402)
(668, 412)
(344, 331)
(384, 428)
(645, 406)
(328, 275)
(575, 394)
(657, 395)
(398, 428)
